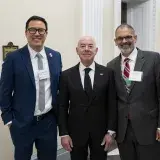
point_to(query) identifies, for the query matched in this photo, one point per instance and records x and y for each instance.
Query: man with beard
(87, 105)
(137, 78)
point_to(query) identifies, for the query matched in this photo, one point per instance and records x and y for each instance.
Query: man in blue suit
(28, 93)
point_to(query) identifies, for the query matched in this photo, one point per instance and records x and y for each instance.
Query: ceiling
(134, 0)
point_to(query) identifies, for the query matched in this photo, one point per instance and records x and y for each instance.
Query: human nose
(37, 32)
(86, 48)
(124, 40)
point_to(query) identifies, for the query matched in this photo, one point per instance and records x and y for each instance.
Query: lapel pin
(101, 74)
(50, 54)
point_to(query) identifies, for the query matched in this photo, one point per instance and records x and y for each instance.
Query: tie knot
(126, 60)
(87, 70)
(38, 55)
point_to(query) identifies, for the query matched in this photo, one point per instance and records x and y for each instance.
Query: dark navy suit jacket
(17, 85)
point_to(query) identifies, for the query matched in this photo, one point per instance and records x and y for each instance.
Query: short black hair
(125, 25)
(37, 18)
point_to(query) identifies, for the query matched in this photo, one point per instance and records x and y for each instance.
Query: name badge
(135, 76)
(43, 74)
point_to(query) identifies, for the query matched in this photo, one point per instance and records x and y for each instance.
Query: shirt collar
(33, 52)
(82, 67)
(132, 56)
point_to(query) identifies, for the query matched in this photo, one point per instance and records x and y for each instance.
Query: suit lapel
(119, 76)
(51, 63)
(77, 78)
(138, 66)
(97, 76)
(27, 61)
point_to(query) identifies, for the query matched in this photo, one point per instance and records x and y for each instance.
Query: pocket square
(101, 74)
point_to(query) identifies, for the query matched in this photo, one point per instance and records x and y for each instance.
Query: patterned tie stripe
(126, 73)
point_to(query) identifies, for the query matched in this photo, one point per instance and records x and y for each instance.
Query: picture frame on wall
(10, 47)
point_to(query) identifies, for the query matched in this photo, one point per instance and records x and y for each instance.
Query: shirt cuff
(158, 129)
(111, 132)
(64, 136)
(8, 123)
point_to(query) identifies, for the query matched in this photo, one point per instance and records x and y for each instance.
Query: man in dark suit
(28, 91)
(137, 76)
(87, 105)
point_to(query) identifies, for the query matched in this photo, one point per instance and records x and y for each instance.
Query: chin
(37, 45)
(126, 51)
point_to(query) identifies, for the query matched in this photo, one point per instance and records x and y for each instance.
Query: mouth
(87, 55)
(36, 40)
(125, 46)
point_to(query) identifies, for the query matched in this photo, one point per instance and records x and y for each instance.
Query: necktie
(126, 73)
(41, 102)
(87, 82)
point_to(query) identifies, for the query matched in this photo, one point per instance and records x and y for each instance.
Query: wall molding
(117, 21)
(92, 21)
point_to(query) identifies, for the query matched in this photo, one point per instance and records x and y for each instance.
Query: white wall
(108, 31)
(64, 21)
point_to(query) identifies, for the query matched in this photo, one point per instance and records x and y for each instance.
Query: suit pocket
(154, 113)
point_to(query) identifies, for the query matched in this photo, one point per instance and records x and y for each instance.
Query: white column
(93, 23)
(157, 25)
(108, 31)
(117, 21)
(152, 24)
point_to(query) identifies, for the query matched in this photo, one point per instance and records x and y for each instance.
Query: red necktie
(126, 73)
(126, 70)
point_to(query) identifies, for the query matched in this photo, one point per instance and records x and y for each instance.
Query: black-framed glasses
(41, 31)
(127, 38)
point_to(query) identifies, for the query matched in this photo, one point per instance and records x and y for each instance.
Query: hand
(158, 135)
(107, 141)
(66, 142)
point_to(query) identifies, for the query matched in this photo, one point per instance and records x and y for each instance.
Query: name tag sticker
(136, 76)
(43, 74)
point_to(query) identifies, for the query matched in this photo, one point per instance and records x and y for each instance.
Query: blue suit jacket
(17, 85)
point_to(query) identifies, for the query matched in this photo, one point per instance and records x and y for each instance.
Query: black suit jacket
(143, 101)
(79, 116)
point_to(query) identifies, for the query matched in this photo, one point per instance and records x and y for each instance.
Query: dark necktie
(87, 81)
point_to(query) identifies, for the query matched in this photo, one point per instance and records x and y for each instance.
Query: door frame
(152, 31)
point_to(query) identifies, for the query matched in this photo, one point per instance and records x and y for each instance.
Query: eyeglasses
(127, 38)
(41, 31)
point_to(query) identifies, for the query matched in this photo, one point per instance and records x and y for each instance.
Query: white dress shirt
(48, 96)
(132, 61)
(91, 73)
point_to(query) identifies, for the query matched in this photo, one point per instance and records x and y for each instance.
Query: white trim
(117, 20)
(93, 23)
(157, 25)
(151, 24)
